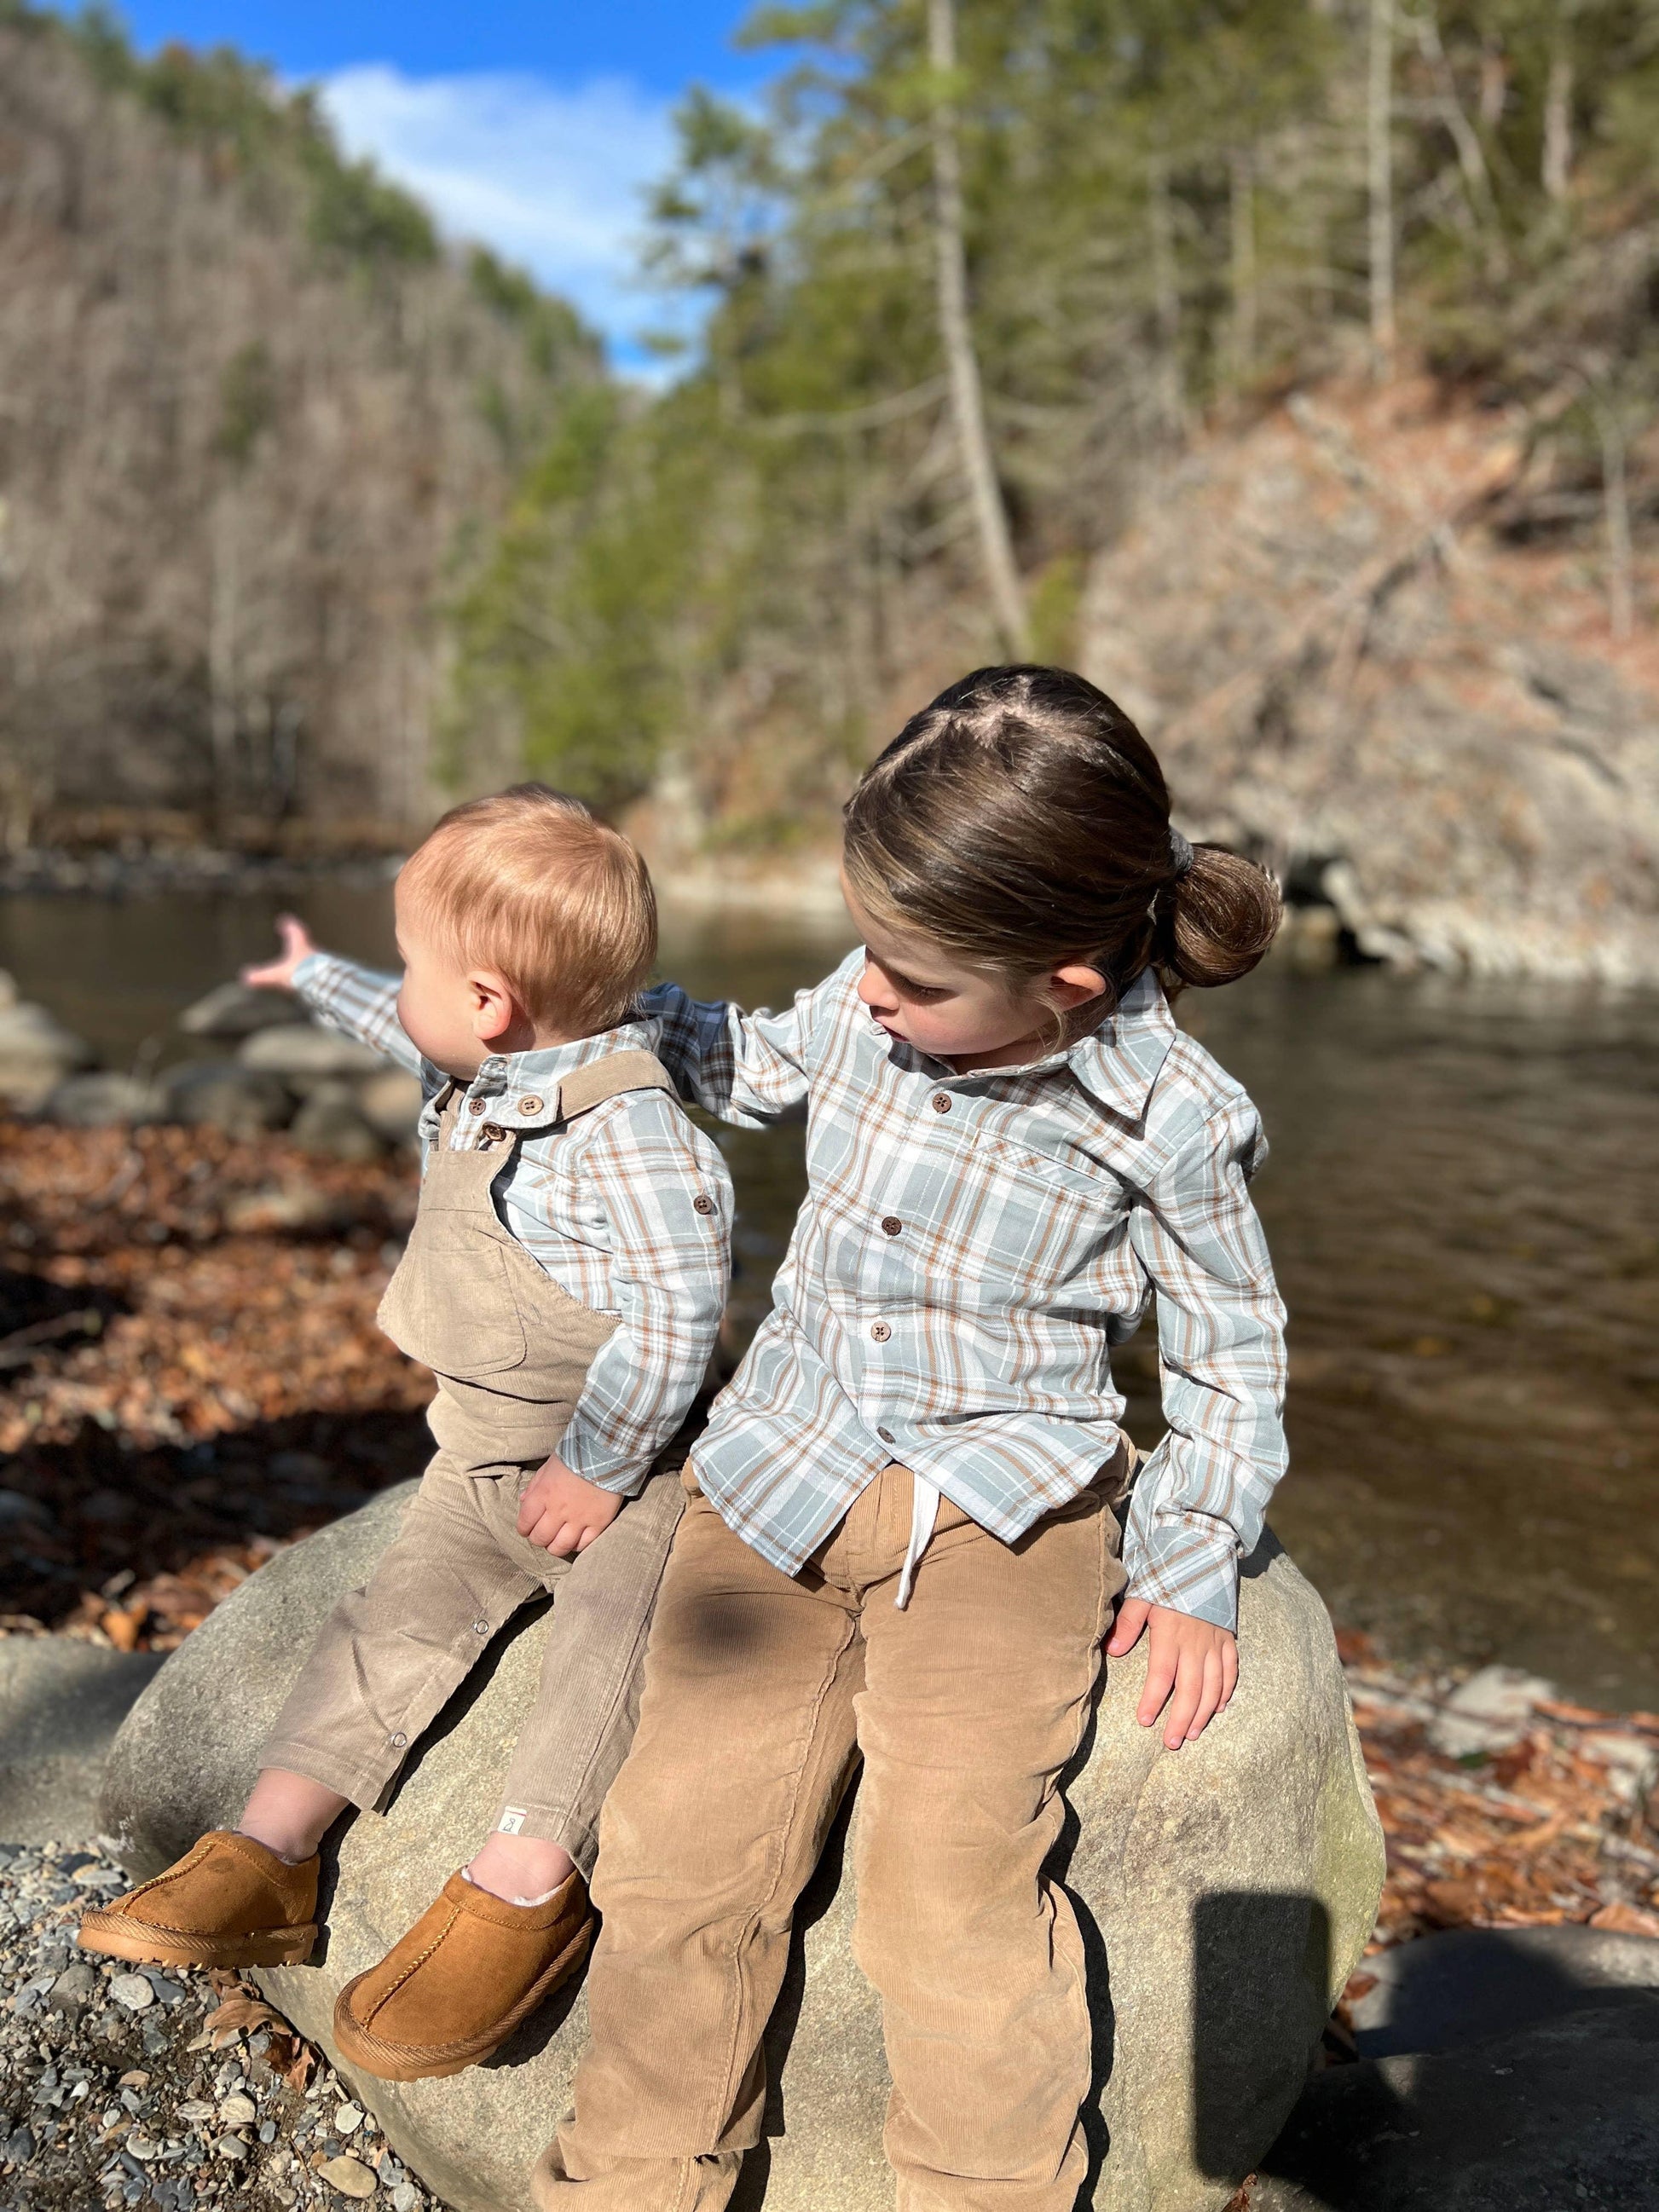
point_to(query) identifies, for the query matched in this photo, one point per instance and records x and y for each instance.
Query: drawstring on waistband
(924, 1512)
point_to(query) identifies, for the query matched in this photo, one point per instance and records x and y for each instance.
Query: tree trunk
(1166, 297)
(1379, 174)
(1557, 109)
(1615, 496)
(1242, 210)
(962, 363)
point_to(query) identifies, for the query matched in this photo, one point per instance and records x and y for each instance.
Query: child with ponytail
(902, 1539)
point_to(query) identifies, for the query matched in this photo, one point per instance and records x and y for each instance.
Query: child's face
(456, 1016)
(917, 990)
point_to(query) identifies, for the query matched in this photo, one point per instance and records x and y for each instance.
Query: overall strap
(608, 1078)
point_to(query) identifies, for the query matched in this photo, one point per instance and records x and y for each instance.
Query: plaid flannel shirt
(607, 1206)
(971, 1247)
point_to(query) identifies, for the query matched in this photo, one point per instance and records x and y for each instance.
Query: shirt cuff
(600, 1463)
(1190, 1566)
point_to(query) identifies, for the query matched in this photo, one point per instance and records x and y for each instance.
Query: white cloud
(551, 178)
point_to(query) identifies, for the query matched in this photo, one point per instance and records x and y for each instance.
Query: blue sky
(534, 128)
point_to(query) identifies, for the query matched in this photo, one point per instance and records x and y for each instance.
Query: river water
(1462, 1206)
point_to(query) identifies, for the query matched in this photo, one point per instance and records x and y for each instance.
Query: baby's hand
(1192, 1666)
(562, 1514)
(278, 975)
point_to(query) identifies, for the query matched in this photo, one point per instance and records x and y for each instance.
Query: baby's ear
(494, 1009)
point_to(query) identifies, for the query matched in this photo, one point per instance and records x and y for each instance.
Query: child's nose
(875, 991)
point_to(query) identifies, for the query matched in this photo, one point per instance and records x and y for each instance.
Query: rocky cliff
(1364, 653)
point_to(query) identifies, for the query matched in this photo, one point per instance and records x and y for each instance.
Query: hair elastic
(1180, 853)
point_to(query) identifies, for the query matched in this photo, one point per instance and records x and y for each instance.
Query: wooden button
(492, 1132)
(891, 1225)
(701, 1204)
(881, 1332)
(532, 1105)
(941, 1103)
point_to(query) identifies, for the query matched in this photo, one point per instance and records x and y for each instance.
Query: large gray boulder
(1225, 1892)
(61, 1702)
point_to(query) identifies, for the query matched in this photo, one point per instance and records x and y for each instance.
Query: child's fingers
(1210, 1701)
(1126, 1629)
(1228, 1671)
(1184, 1703)
(1162, 1668)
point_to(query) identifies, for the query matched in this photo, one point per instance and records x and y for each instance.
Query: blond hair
(530, 884)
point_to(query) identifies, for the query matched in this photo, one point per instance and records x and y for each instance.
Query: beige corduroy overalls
(511, 1351)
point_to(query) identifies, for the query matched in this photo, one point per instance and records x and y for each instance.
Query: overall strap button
(492, 1132)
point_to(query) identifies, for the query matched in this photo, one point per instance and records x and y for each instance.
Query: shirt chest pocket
(1013, 1226)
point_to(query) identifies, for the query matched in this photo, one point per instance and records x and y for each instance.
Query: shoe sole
(402, 2061)
(115, 1936)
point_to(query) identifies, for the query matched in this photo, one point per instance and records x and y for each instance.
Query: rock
(1445, 1991)
(1489, 1713)
(1444, 745)
(1562, 2114)
(304, 1053)
(104, 1100)
(132, 1991)
(231, 1012)
(74, 1990)
(1232, 1887)
(221, 1094)
(281, 1208)
(36, 1053)
(61, 1702)
(331, 1124)
(390, 1104)
(349, 2176)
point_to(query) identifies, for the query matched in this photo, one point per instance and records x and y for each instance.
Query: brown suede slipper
(457, 1985)
(229, 1902)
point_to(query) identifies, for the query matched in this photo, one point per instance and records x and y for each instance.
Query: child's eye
(925, 992)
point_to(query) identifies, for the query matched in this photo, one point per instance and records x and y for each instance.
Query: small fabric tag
(512, 1821)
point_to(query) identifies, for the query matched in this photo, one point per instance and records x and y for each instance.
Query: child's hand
(278, 975)
(562, 1513)
(1192, 1659)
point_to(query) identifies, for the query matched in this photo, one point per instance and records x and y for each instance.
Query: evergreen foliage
(1170, 212)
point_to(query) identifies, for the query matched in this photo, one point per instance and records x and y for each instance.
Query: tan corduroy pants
(511, 1351)
(761, 1692)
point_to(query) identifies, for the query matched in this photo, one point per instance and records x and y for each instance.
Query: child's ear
(1074, 986)
(494, 1009)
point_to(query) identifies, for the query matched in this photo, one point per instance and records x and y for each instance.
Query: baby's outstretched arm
(297, 946)
(357, 1001)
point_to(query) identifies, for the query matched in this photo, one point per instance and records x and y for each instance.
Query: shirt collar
(523, 1087)
(1117, 1063)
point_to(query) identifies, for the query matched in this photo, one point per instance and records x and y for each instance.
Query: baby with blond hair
(564, 1281)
